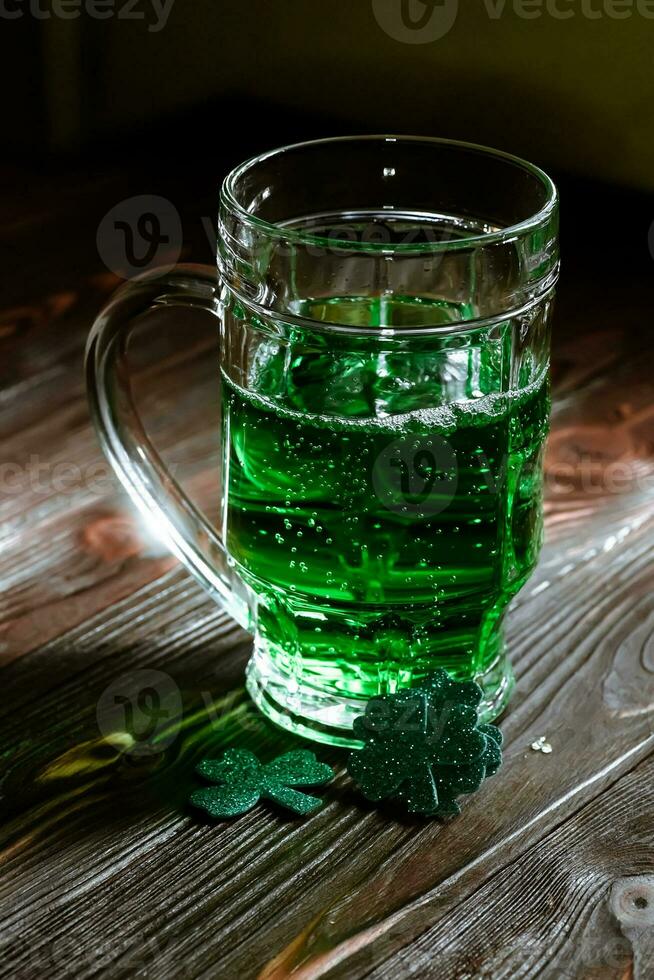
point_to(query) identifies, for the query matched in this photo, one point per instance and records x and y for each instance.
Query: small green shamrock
(425, 746)
(244, 781)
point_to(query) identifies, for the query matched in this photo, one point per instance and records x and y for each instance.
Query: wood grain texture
(105, 872)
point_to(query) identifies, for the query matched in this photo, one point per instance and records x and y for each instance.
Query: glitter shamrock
(243, 781)
(425, 746)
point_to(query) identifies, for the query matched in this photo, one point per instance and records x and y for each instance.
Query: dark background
(139, 104)
(575, 93)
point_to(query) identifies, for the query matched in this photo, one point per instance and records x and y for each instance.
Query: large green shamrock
(425, 746)
(244, 781)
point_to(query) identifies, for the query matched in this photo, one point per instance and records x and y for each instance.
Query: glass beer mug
(383, 308)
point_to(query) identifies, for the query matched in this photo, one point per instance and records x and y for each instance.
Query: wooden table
(105, 871)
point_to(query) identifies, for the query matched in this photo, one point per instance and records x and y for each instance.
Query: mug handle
(180, 524)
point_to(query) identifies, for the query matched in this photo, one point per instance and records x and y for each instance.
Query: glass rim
(229, 198)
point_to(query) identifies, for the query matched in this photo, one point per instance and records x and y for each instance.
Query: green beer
(383, 539)
(383, 306)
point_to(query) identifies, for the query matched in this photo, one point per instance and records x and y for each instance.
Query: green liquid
(384, 507)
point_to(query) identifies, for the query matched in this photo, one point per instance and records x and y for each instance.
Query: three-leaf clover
(425, 746)
(243, 781)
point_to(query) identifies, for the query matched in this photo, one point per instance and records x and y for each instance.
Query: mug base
(327, 718)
